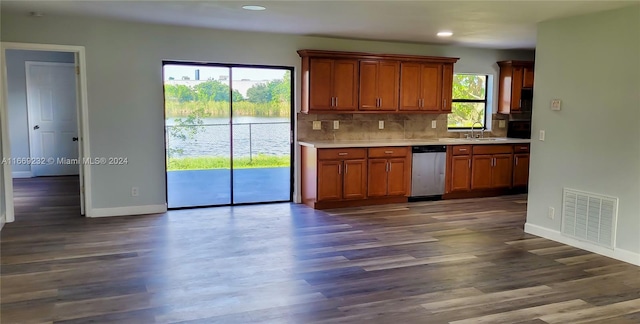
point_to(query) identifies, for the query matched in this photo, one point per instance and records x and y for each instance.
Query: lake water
(258, 135)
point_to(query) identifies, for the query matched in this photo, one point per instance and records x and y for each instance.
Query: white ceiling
(493, 24)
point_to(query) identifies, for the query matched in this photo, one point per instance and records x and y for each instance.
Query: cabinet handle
(520, 104)
(421, 103)
(444, 103)
(343, 153)
(380, 104)
(463, 150)
(389, 164)
(386, 167)
(336, 102)
(346, 168)
(516, 161)
(388, 152)
(523, 147)
(469, 163)
(340, 168)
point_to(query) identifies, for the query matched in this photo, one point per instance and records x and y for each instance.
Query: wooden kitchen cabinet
(515, 86)
(389, 171)
(426, 87)
(521, 160)
(341, 174)
(351, 82)
(491, 166)
(460, 168)
(333, 85)
(379, 85)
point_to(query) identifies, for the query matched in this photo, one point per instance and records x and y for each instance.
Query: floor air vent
(589, 217)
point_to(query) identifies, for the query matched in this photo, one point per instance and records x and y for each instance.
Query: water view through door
(227, 134)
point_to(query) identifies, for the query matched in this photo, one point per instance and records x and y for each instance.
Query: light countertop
(412, 142)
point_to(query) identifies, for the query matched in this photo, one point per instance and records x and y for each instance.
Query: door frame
(82, 114)
(30, 121)
(292, 131)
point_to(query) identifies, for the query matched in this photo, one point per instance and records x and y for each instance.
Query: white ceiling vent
(589, 217)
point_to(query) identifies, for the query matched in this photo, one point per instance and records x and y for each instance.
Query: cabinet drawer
(377, 152)
(521, 148)
(492, 149)
(461, 149)
(342, 154)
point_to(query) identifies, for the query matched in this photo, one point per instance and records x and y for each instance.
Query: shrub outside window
(469, 104)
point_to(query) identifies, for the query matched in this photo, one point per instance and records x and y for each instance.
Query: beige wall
(124, 71)
(591, 63)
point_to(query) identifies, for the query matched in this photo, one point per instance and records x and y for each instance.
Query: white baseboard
(616, 253)
(21, 174)
(126, 211)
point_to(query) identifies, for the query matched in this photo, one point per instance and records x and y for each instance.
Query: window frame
(485, 101)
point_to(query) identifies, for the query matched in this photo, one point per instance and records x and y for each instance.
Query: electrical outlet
(502, 124)
(552, 213)
(317, 125)
(135, 191)
(336, 124)
(434, 124)
(556, 104)
(541, 136)
(381, 124)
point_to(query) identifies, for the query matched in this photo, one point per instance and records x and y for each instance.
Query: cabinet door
(388, 85)
(329, 180)
(355, 179)
(502, 172)
(396, 178)
(527, 78)
(521, 170)
(410, 86)
(377, 179)
(369, 85)
(481, 166)
(431, 87)
(460, 173)
(320, 87)
(516, 88)
(345, 84)
(447, 87)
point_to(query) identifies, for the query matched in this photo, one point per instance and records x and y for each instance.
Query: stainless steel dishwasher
(428, 172)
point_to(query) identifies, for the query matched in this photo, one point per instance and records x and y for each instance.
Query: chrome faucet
(472, 128)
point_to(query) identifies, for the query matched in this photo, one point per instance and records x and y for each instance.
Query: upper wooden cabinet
(516, 86)
(379, 85)
(426, 87)
(349, 82)
(333, 84)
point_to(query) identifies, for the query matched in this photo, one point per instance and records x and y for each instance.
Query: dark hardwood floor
(455, 261)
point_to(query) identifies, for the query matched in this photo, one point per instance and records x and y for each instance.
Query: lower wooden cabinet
(355, 176)
(488, 168)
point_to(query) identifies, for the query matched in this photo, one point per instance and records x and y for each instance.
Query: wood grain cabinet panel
(481, 166)
(514, 77)
(426, 87)
(329, 180)
(355, 179)
(521, 169)
(333, 85)
(378, 177)
(460, 173)
(379, 85)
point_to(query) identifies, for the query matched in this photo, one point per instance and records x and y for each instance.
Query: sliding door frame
(230, 66)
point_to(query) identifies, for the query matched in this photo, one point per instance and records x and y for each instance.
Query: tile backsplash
(396, 126)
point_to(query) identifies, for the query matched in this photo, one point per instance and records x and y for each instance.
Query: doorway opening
(43, 122)
(228, 134)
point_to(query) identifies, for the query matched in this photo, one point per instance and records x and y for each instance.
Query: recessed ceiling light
(445, 34)
(254, 8)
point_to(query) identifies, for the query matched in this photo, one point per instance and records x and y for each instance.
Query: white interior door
(53, 120)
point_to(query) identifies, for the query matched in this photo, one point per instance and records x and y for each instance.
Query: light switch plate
(317, 125)
(556, 104)
(434, 124)
(336, 124)
(502, 124)
(381, 124)
(541, 137)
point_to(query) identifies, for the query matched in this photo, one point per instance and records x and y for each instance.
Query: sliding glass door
(228, 134)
